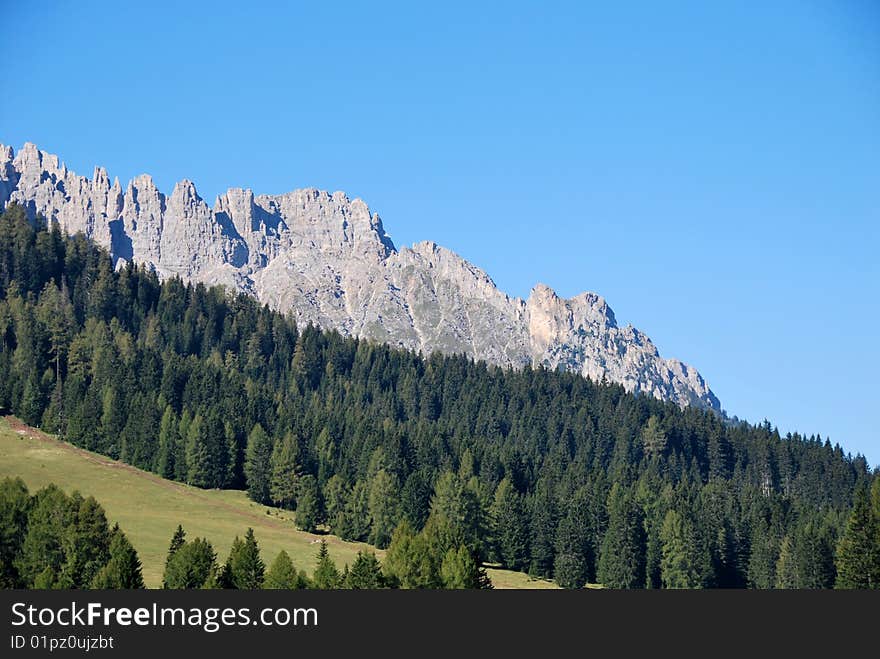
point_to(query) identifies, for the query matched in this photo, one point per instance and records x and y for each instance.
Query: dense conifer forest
(448, 462)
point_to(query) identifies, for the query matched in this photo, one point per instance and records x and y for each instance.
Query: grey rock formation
(327, 260)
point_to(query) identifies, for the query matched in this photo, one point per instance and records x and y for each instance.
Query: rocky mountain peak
(327, 260)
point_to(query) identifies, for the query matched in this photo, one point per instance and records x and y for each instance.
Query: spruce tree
(199, 463)
(14, 504)
(574, 564)
(366, 572)
(814, 555)
(408, 561)
(85, 542)
(858, 553)
(123, 569)
(285, 470)
(787, 565)
(654, 437)
(680, 563)
(177, 541)
(281, 574)
(622, 560)
(383, 509)
(257, 465)
(543, 522)
(193, 565)
(167, 444)
(511, 527)
(326, 575)
(460, 569)
(308, 505)
(49, 518)
(246, 568)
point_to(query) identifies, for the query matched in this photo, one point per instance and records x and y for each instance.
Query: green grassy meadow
(149, 508)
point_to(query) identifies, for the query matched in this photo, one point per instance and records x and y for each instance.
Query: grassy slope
(149, 508)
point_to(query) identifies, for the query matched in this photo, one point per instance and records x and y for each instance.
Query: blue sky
(712, 169)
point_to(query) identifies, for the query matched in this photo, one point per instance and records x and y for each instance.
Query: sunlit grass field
(149, 508)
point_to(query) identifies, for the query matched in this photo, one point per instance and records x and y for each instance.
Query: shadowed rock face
(327, 260)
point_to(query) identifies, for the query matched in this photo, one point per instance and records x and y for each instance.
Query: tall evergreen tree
(177, 541)
(193, 565)
(167, 444)
(49, 518)
(285, 470)
(282, 575)
(308, 506)
(858, 553)
(199, 464)
(366, 572)
(621, 564)
(511, 527)
(326, 576)
(258, 465)
(14, 504)
(682, 565)
(123, 569)
(574, 562)
(246, 570)
(461, 569)
(383, 509)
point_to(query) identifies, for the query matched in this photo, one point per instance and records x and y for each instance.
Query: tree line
(193, 564)
(50, 540)
(535, 470)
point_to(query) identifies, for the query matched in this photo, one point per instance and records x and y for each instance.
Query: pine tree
(763, 557)
(85, 543)
(680, 565)
(786, 565)
(246, 568)
(113, 418)
(55, 313)
(282, 575)
(858, 553)
(366, 572)
(356, 521)
(574, 563)
(257, 465)
(49, 516)
(308, 506)
(285, 470)
(123, 569)
(177, 541)
(408, 561)
(199, 465)
(814, 556)
(456, 511)
(511, 530)
(167, 443)
(14, 505)
(335, 502)
(460, 569)
(875, 497)
(326, 575)
(622, 560)
(653, 437)
(383, 509)
(193, 565)
(542, 529)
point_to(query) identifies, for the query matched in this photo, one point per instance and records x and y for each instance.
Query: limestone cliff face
(327, 260)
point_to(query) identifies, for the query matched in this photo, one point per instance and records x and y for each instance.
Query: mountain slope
(149, 508)
(327, 260)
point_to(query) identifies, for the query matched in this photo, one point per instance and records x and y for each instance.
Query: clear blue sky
(712, 169)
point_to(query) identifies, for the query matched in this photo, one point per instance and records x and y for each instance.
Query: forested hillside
(541, 471)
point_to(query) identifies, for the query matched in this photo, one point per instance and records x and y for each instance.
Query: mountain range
(327, 260)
